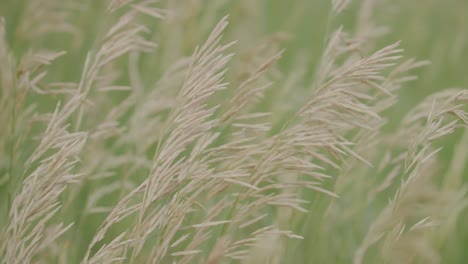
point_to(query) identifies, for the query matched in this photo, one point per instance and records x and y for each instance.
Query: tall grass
(170, 132)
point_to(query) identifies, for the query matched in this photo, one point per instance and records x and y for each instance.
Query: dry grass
(163, 134)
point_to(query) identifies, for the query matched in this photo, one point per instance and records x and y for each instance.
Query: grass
(233, 131)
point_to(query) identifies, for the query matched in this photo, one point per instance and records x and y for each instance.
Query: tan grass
(176, 138)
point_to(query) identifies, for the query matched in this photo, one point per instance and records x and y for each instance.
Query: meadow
(233, 131)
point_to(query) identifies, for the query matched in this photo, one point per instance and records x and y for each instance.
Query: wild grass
(141, 131)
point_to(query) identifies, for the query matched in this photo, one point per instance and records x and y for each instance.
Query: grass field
(222, 131)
